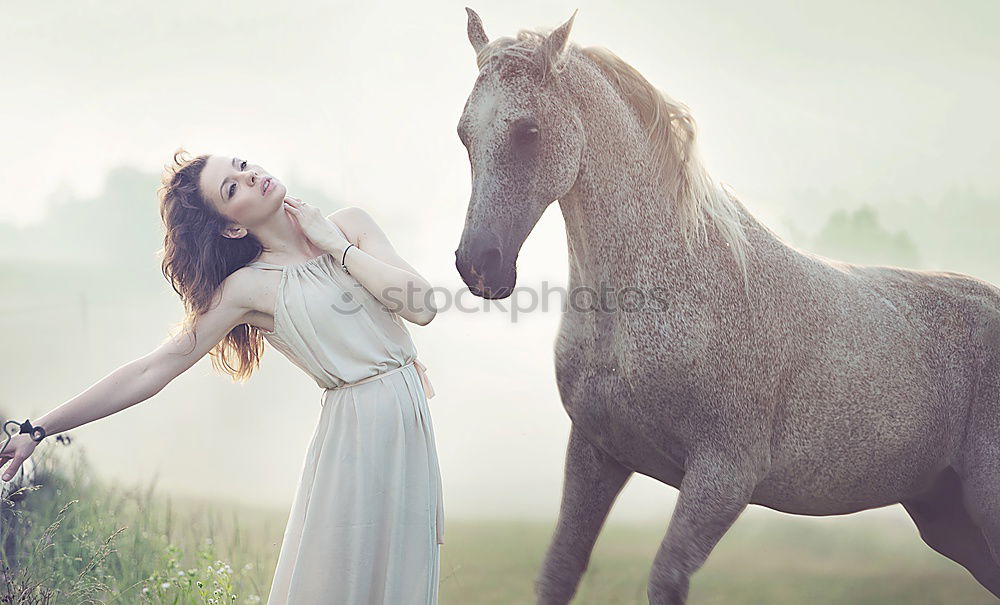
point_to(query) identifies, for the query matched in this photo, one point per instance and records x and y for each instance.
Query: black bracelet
(343, 258)
(25, 428)
(31, 430)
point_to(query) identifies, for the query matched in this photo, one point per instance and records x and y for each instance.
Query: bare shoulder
(352, 221)
(231, 305)
(250, 293)
(238, 289)
(360, 228)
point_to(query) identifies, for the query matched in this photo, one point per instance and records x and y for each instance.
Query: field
(81, 540)
(782, 559)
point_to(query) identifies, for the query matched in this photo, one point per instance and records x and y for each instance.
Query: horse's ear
(552, 52)
(477, 35)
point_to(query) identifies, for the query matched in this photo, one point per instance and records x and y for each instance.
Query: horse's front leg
(592, 482)
(712, 495)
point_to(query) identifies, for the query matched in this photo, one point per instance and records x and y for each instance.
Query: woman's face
(237, 190)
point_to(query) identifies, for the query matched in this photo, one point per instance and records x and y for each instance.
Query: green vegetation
(858, 237)
(70, 540)
(956, 232)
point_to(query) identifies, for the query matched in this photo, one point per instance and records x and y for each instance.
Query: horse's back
(883, 361)
(965, 314)
(956, 309)
(960, 316)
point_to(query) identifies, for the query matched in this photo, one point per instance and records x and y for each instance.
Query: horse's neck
(624, 230)
(622, 223)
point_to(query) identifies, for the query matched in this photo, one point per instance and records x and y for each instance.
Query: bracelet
(31, 430)
(344, 257)
(25, 428)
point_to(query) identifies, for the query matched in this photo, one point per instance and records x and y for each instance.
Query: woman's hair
(197, 257)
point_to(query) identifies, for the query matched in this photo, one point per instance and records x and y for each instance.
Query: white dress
(366, 523)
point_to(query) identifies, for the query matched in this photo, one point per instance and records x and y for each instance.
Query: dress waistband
(421, 371)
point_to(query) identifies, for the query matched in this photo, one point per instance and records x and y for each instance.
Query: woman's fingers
(15, 463)
(299, 209)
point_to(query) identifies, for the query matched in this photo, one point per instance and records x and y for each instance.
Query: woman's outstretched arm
(144, 377)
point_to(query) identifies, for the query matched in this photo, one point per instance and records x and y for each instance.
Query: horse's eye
(526, 133)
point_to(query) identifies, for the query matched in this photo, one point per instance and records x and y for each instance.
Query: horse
(758, 373)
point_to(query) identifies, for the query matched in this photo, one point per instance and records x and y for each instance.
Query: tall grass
(69, 539)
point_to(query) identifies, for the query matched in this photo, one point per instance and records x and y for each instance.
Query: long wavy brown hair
(197, 258)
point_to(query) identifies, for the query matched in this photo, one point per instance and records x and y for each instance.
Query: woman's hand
(18, 449)
(315, 226)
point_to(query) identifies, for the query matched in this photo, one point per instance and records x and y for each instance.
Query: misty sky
(886, 99)
(881, 101)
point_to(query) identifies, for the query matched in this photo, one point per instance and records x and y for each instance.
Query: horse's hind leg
(980, 463)
(946, 526)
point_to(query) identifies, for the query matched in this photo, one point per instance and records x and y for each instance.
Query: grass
(68, 539)
(782, 559)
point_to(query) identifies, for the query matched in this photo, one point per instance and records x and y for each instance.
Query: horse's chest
(620, 412)
(598, 358)
(589, 367)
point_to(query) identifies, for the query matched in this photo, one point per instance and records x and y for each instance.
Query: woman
(251, 263)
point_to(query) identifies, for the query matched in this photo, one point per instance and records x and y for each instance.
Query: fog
(859, 131)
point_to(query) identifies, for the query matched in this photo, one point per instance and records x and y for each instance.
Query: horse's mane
(671, 131)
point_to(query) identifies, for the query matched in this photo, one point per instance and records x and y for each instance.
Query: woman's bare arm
(381, 270)
(146, 376)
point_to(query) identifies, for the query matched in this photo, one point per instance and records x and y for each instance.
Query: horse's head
(524, 140)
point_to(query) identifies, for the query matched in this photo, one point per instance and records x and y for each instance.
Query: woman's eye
(243, 166)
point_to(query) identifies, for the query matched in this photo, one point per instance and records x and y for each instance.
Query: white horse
(767, 375)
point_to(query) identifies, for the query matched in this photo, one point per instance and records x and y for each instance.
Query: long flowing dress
(366, 522)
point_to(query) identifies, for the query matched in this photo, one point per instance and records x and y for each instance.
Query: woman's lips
(266, 185)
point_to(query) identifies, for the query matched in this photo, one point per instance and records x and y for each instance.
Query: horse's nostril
(488, 261)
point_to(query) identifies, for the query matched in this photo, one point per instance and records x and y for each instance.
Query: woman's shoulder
(244, 288)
